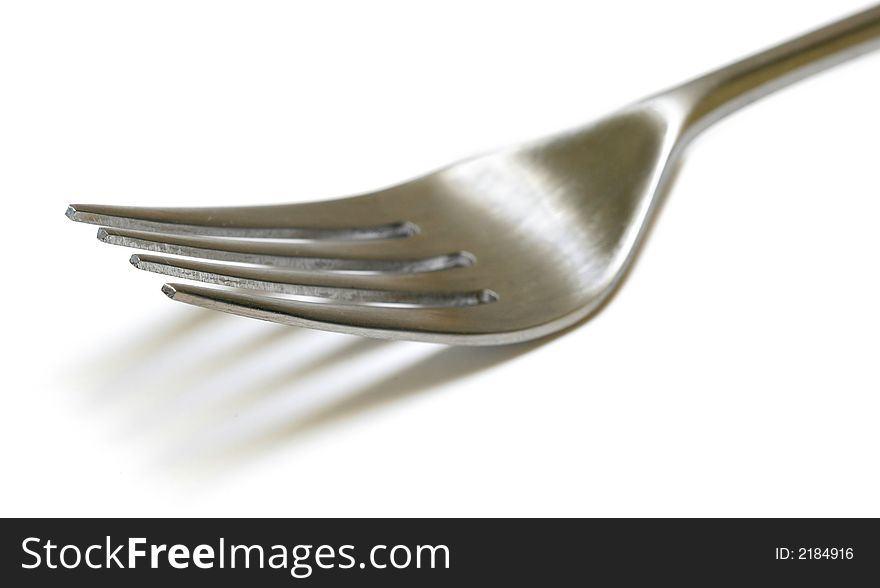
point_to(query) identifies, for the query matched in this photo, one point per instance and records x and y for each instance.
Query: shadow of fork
(148, 375)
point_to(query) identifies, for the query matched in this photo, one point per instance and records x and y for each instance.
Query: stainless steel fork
(498, 249)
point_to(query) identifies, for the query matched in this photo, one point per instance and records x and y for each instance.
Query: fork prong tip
(169, 291)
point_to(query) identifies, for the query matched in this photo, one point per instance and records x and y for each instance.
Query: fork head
(498, 249)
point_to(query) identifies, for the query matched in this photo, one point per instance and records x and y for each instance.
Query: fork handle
(713, 96)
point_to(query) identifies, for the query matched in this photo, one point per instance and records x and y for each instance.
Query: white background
(735, 373)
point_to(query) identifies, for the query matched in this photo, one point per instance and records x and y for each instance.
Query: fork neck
(708, 98)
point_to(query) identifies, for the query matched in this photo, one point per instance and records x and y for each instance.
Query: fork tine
(446, 325)
(410, 255)
(419, 289)
(356, 218)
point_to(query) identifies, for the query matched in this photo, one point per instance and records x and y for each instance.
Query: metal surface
(498, 249)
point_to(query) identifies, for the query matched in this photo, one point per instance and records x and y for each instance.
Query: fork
(502, 248)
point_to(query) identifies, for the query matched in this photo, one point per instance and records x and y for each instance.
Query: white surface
(735, 373)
